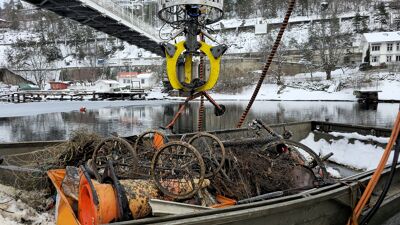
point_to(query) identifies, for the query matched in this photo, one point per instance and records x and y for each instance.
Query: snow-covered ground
(356, 155)
(13, 211)
(271, 92)
(300, 88)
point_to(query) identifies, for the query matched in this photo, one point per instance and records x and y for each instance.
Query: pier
(32, 96)
(366, 96)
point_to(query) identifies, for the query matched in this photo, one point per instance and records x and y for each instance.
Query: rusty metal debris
(178, 170)
(119, 151)
(146, 145)
(212, 151)
(203, 169)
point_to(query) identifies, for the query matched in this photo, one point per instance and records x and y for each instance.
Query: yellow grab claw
(215, 64)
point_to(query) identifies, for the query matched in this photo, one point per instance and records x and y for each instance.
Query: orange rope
(377, 174)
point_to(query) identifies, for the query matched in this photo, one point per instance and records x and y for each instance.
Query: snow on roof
(382, 37)
(145, 75)
(108, 81)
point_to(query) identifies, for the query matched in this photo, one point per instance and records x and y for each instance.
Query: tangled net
(251, 172)
(28, 170)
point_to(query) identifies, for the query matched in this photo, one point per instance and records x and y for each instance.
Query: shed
(106, 86)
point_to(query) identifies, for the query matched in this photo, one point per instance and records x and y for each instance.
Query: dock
(37, 96)
(367, 96)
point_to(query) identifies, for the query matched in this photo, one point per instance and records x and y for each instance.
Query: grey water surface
(126, 119)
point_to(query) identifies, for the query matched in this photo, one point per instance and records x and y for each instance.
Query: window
(376, 48)
(142, 81)
(374, 59)
(389, 58)
(389, 47)
(398, 47)
(397, 58)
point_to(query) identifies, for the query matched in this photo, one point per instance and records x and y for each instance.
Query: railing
(127, 15)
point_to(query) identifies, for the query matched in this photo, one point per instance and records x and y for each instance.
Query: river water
(32, 122)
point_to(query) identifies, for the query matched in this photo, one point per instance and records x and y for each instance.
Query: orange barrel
(105, 211)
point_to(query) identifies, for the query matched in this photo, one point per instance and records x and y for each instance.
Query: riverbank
(314, 87)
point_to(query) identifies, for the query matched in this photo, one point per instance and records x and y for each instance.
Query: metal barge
(331, 204)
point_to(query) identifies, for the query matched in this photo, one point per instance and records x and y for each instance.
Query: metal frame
(109, 17)
(174, 11)
(219, 4)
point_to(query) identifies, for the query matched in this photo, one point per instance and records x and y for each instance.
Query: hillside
(38, 40)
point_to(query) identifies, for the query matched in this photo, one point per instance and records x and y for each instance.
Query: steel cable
(201, 76)
(269, 61)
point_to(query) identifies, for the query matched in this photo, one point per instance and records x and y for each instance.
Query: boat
(59, 85)
(330, 204)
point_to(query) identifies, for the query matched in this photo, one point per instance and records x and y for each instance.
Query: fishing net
(28, 171)
(250, 172)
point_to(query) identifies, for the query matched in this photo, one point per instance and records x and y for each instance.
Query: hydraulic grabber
(185, 58)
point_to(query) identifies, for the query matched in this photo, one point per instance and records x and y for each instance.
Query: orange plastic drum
(90, 213)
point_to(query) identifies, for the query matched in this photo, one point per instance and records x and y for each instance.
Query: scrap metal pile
(122, 179)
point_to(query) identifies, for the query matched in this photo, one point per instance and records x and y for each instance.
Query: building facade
(136, 80)
(382, 47)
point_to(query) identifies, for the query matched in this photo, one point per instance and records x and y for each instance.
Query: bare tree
(307, 55)
(31, 57)
(279, 60)
(328, 42)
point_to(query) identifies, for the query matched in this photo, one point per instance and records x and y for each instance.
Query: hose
(353, 220)
(269, 61)
(378, 204)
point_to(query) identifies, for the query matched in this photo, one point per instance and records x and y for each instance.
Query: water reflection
(130, 120)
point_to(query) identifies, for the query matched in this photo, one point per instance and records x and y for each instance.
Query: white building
(136, 80)
(384, 47)
(106, 86)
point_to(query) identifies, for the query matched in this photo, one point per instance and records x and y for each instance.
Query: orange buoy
(105, 211)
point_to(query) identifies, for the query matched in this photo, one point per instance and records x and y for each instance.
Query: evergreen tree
(11, 14)
(364, 26)
(382, 16)
(357, 20)
(243, 8)
(229, 8)
(367, 56)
